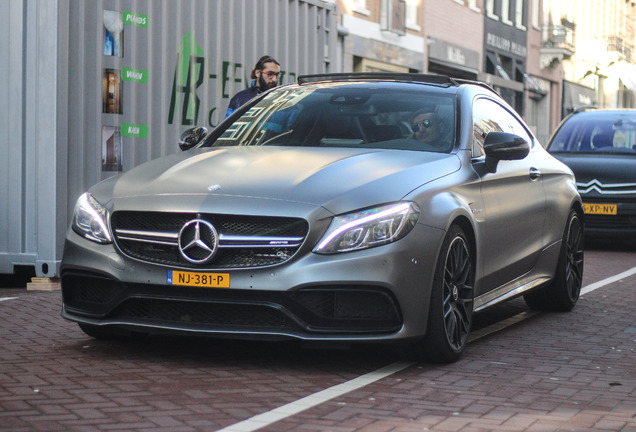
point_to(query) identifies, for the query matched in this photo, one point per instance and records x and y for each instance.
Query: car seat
(384, 133)
(602, 140)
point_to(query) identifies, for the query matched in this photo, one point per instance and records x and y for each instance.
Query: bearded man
(264, 75)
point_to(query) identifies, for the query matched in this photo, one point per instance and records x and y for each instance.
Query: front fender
(461, 204)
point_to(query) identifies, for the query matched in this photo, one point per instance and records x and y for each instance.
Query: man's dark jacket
(242, 97)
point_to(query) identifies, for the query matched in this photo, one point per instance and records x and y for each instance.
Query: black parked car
(599, 145)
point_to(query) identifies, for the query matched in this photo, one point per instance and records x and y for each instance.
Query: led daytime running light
(402, 208)
(89, 211)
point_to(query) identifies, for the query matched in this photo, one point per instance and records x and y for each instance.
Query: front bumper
(377, 294)
(621, 224)
(314, 310)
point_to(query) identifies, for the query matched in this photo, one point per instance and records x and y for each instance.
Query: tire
(452, 297)
(562, 293)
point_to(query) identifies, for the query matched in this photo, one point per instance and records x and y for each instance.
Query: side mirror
(504, 146)
(192, 137)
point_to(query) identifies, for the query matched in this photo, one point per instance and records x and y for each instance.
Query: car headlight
(368, 228)
(90, 219)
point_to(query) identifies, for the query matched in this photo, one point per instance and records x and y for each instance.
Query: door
(514, 201)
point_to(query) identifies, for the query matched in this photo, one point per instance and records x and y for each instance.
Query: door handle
(534, 173)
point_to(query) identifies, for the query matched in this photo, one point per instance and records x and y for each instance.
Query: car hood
(595, 171)
(606, 168)
(338, 179)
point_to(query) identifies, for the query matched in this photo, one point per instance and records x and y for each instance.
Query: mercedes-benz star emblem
(198, 241)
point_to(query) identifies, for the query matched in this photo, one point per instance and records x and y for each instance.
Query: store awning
(498, 67)
(576, 96)
(627, 74)
(533, 85)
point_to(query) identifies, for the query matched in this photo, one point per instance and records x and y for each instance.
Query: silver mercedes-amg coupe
(346, 207)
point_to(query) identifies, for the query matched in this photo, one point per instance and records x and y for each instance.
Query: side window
(489, 116)
(518, 129)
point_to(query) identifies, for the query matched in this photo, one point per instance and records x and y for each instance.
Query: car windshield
(597, 132)
(394, 116)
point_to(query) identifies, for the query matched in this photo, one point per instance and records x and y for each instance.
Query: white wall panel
(57, 112)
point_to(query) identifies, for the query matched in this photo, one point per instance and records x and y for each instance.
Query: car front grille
(615, 223)
(244, 241)
(612, 224)
(610, 189)
(203, 314)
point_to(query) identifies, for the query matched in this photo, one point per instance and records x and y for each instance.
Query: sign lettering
(139, 20)
(134, 131)
(134, 75)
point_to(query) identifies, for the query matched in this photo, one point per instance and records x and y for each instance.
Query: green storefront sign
(134, 130)
(140, 20)
(135, 75)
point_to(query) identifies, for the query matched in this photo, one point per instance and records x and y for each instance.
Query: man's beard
(265, 85)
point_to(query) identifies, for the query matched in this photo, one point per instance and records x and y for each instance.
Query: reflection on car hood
(317, 176)
(602, 167)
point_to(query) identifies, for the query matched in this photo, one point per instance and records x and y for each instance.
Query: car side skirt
(541, 274)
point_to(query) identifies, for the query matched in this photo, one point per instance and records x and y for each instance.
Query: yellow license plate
(208, 280)
(600, 209)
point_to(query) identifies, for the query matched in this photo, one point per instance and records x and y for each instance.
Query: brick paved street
(54, 378)
(551, 372)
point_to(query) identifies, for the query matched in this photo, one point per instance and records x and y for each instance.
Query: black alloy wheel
(562, 293)
(574, 253)
(458, 293)
(451, 309)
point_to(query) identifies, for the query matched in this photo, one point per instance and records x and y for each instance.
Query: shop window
(111, 92)
(519, 72)
(498, 65)
(113, 33)
(507, 66)
(490, 64)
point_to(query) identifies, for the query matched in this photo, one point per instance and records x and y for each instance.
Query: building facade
(500, 42)
(605, 60)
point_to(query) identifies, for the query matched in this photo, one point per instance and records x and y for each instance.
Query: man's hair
(426, 110)
(260, 64)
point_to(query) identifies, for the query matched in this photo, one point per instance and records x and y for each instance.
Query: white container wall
(94, 88)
